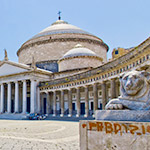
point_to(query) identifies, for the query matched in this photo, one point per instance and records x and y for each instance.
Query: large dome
(60, 27)
(53, 42)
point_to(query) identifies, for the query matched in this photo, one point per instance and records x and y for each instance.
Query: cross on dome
(59, 18)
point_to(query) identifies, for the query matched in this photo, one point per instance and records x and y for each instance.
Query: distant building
(117, 52)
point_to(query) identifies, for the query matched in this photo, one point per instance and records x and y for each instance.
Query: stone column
(95, 98)
(24, 106)
(2, 98)
(113, 88)
(16, 97)
(54, 103)
(62, 103)
(70, 102)
(86, 101)
(117, 88)
(9, 98)
(78, 102)
(41, 98)
(33, 96)
(59, 97)
(51, 103)
(38, 100)
(104, 94)
(42, 103)
(48, 103)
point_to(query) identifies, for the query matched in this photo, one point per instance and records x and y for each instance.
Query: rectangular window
(116, 52)
(147, 56)
(73, 96)
(100, 93)
(91, 94)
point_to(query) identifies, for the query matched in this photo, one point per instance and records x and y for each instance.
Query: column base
(23, 113)
(54, 115)
(77, 115)
(8, 112)
(69, 115)
(85, 115)
(61, 115)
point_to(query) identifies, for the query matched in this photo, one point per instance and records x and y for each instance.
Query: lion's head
(134, 83)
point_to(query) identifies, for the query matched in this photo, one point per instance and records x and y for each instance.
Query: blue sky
(118, 23)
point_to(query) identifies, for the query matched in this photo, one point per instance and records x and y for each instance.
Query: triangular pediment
(8, 68)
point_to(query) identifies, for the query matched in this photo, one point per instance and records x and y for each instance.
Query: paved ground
(39, 135)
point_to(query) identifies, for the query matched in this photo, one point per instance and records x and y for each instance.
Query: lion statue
(134, 90)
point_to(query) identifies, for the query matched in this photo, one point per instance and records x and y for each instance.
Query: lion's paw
(114, 106)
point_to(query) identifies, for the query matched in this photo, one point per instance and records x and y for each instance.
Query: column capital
(86, 86)
(47, 92)
(62, 90)
(54, 91)
(112, 79)
(2, 83)
(95, 83)
(77, 87)
(105, 81)
(24, 80)
(32, 79)
(69, 89)
(16, 81)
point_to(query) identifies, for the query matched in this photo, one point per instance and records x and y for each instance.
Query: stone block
(114, 135)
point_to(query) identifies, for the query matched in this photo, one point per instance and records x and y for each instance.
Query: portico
(19, 92)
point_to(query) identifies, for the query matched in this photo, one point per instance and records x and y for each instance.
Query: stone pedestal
(132, 133)
(114, 135)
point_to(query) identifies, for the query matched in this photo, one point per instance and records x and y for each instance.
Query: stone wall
(54, 48)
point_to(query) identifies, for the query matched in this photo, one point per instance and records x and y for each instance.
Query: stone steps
(13, 116)
(66, 118)
(49, 117)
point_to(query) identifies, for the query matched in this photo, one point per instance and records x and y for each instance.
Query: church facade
(63, 71)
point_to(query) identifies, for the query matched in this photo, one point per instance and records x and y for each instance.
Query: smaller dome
(79, 50)
(78, 58)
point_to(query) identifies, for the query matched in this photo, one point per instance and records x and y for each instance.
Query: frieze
(63, 40)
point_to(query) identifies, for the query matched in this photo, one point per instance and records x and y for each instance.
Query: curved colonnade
(71, 94)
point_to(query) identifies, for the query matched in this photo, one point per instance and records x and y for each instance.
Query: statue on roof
(6, 56)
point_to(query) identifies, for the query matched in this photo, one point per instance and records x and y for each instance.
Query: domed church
(63, 71)
(52, 43)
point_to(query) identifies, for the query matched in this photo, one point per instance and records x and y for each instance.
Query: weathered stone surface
(114, 135)
(135, 92)
(123, 115)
